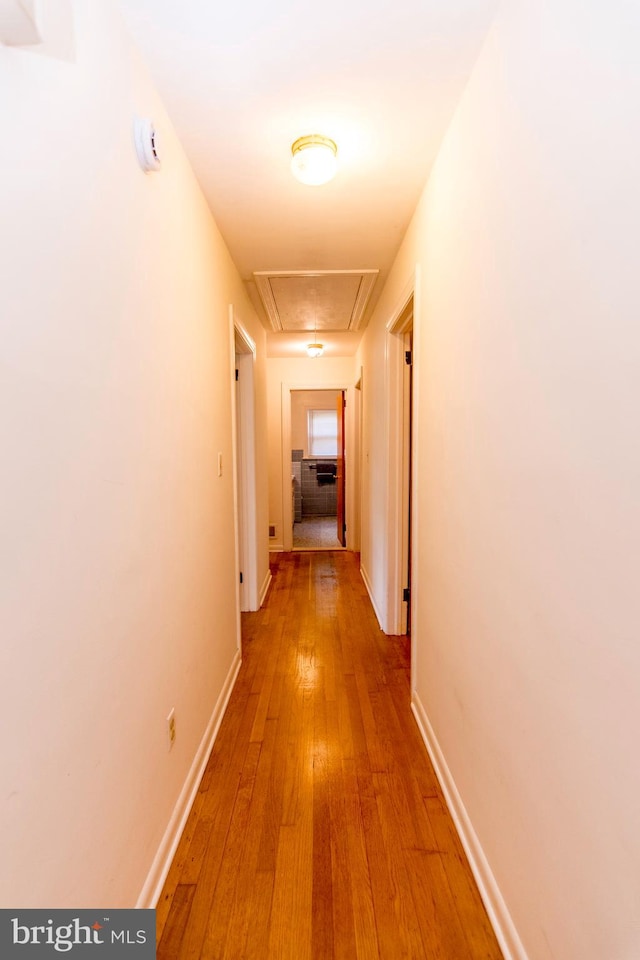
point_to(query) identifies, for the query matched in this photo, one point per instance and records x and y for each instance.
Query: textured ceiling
(329, 301)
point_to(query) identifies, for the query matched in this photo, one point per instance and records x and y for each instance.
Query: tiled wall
(296, 473)
(318, 500)
(310, 498)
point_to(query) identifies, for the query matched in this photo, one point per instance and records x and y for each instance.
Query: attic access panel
(330, 300)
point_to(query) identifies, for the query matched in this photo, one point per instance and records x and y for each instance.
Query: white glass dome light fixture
(315, 349)
(314, 159)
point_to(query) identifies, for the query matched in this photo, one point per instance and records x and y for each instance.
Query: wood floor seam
(319, 831)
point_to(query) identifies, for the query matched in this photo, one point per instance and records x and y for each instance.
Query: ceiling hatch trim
(329, 300)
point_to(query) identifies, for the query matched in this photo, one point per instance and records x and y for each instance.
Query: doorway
(245, 468)
(318, 469)
(400, 357)
(407, 447)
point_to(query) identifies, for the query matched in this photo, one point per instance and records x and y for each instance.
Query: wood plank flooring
(319, 830)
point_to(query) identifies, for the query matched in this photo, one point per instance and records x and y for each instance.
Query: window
(322, 428)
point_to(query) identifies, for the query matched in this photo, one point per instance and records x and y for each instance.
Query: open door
(407, 446)
(400, 380)
(245, 470)
(340, 479)
(240, 506)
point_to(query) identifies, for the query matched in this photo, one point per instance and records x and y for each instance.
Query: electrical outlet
(171, 728)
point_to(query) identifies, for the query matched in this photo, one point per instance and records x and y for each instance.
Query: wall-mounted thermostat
(146, 141)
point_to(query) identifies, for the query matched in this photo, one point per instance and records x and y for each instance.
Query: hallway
(319, 829)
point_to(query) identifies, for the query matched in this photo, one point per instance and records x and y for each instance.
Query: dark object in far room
(326, 473)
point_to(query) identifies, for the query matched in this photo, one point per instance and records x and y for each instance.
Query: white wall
(115, 379)
(528, 465)
(338, 372)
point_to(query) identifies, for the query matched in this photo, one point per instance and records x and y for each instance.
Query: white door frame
(244, 462)
(399, 324)
(287, 514)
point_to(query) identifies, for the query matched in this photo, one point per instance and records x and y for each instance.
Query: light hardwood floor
(319, 830)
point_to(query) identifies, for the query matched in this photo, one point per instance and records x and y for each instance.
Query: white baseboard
(157, 875)
(500, 918)
(265, 587)
(276, 548)
(367, 583)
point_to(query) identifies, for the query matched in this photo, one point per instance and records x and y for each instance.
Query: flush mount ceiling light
(314, 160)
